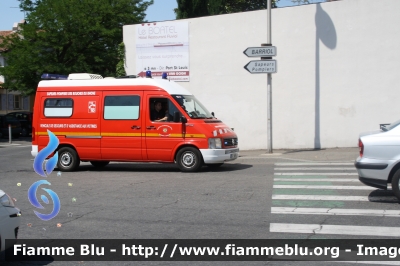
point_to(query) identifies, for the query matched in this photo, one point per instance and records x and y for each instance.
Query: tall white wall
(337, 62)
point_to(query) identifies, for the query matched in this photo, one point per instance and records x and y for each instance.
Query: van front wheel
(68, 159)
(189, 159)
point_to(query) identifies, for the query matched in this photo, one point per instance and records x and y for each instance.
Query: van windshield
(192, 106)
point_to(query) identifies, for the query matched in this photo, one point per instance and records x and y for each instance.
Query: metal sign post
(269, 83)
(265, 65)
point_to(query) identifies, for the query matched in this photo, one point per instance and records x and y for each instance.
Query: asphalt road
(258, 196)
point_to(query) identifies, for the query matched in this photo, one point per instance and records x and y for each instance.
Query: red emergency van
(100, 120)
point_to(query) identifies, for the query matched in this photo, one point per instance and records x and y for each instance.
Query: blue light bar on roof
(53, 76)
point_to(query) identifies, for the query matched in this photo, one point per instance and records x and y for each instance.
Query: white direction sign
(263, 51)
(261, 66)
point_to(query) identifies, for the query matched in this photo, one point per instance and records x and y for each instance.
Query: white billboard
(163, 47)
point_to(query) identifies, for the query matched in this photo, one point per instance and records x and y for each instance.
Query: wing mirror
(179, 118)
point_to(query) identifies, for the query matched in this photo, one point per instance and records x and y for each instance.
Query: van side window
(58, 107)
(121, 107)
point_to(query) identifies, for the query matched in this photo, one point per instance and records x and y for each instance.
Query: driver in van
(158, 114)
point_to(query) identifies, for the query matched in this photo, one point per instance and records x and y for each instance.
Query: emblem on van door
(164, 130)
(92, 107)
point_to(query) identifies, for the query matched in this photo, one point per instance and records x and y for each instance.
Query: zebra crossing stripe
(319, 179)
(315, 163)
(335, 211)
(372, 262)
(334, 229)
(313, 168)
(304, 176)
(316, 174)
(335, 198)
(325, 187)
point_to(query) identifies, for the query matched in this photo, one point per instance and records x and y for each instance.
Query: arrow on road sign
(263, 51)
(261, 66)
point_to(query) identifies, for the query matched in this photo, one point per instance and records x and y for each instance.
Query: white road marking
(339, 198)
(313, 163)
(315, 174)
(335, 211)
(8, 145)
(325, 187)
(335, 229)
(314, 168)
(372, 262)
(319, 179)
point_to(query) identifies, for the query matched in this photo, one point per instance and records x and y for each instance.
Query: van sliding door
(121, 126)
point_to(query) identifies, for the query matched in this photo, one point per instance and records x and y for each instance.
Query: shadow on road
(157, 167)
(382, 196)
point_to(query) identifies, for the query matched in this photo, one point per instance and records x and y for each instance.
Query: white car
(379, 160)
(9, 220)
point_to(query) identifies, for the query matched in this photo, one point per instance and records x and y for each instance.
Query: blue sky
(161, 10)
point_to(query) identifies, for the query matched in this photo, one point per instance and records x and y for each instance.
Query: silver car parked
(379, 160)
(9, 220)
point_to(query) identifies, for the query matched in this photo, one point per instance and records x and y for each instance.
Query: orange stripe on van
(114, 134)
(44, 133)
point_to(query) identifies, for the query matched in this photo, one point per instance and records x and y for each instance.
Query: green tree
(200, 8)
(120, 69)
(191, 8)
(67, 36)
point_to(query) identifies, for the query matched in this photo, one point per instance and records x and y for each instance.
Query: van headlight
(6, 201)
(214, 143)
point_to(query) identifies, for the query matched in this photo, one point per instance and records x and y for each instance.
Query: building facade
(11, 101)
(337, 66)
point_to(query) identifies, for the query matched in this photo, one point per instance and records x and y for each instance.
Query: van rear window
(121, 107)
(58, 107)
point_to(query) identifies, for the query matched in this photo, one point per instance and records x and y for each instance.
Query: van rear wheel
(99, 164)
(396, 184)
(189, 159)
(68, 159)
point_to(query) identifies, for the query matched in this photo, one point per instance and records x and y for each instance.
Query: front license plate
(234, 155)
